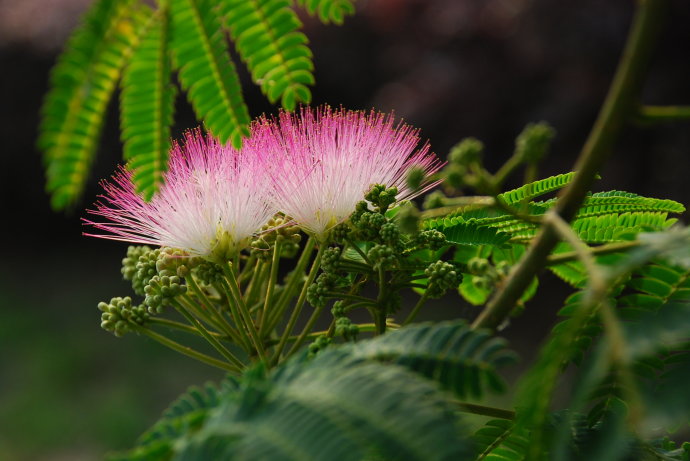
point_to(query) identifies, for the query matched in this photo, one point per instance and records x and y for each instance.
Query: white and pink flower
(323, 161)
(212, 201)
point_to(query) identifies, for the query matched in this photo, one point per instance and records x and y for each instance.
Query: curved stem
(208, 336)
(619, 104)
(609, 248)
(658, 114)
(221, 321)
(289, 290)
(485, 411)
(415, 309)
(181, 327)
(272, 278)
(298, 306)
(243, 311)
(188, 351)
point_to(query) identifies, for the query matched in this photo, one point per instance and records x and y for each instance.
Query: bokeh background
(454, 68)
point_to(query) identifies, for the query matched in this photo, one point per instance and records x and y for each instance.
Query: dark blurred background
(454, 68)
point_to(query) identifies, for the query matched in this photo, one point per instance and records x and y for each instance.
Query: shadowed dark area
(453, 68)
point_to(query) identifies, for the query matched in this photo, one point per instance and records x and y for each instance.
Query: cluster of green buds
(317, 292)
(442, 276)
(345, 328)
(160, 290)
(485, 276)
(208, 272)
(319, 344)
(175, 262)
(279, 228)
(139, 266)
(464, 164)
(119, 315)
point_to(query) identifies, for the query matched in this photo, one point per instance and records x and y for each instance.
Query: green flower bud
(338, 309)
(381, 197)
(532, 144)
(160, 290)
(477, 266)
(466, 152)
(316, 293)
(119, 315)
(129, 263)
(319, 344)
(415, 177)
(330, 259)
(431, 239)
(454, 176)
(482, 282)
(408, 218)
(441, 277)
(436, 199)
(345, 328)
(382, 256)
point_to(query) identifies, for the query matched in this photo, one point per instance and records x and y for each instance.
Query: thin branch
(661, 114)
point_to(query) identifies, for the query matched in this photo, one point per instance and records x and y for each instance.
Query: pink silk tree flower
(324, 161)
(212, 200)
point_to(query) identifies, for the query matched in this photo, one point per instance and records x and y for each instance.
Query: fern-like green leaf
(266, 36)
(82, 83)
(205, 69)
(458, 358)
(147, 106)
(327, 409)
(500, 440)
(329, 10)
(470, 233)
(535, 189)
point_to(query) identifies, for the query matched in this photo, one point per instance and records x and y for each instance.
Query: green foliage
(147, 106)
(351, 402)
(82, 83)
(266, 37)
(329, 10)
(206, 71)
(603, 217)
(469, 233)
(500, 440)
(460, 359)
(127, 39)
(537, 188)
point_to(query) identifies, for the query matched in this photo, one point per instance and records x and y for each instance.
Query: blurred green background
(454, 68)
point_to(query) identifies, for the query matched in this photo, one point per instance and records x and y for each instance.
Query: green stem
(290, 289)
(416, 309)
(181, 326)
(222, 322)
(243, 337)
(253, 291)
(248, 270)
(380, 313)
(188, 351)
(485, 411)
(609, 248)
(508, 167)
(244, 312)
(619, 104)
(192, 306)
(298, 306)
(657, 114)
(272, 279)
(334, 294)
(208, 336)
